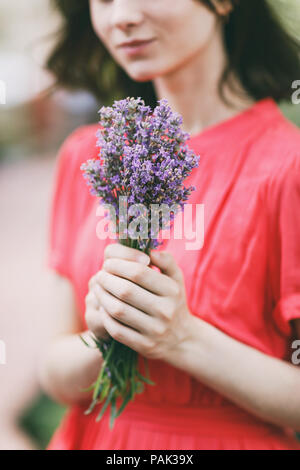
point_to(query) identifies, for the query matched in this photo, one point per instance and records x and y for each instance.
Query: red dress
(245, 280)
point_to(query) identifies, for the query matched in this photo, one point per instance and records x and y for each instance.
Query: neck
(192, 89)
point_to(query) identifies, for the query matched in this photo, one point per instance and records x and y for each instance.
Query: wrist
(183, 351)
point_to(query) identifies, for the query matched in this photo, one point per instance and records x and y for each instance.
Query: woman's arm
(67, 365)
(147, 311)
(265, 386)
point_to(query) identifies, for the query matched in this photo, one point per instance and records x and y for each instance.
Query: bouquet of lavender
(143, 161)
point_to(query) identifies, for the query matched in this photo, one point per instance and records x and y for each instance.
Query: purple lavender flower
(143, 155)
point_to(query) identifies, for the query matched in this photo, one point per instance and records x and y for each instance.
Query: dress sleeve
(285, 249)
(61, 221)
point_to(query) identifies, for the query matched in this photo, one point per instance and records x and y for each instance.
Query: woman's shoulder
(78, 147)
(287, 131)
(281, 159)
(81, 144)
(279, 144)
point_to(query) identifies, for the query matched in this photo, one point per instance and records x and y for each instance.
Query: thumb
(167, 264)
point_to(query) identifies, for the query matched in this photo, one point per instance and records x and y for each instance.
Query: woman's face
(180, 29)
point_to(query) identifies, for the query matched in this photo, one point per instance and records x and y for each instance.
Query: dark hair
(261, 53)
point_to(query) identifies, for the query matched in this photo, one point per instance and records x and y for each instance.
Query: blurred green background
(41, 419)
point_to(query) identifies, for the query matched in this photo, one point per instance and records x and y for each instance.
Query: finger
(121, 333)
(131, 293)
(116, 250)
(167, 264)
(92, 281)
(91, 300)
(94, 321)
(142, 275)
(126, 314)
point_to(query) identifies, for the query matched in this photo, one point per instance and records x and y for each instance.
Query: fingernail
(144, 259)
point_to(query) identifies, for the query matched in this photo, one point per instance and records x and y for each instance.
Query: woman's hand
(94, 313)
(141, 307)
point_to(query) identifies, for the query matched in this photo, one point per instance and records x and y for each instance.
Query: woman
(217, 324)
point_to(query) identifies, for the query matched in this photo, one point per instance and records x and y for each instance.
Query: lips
(135, 43)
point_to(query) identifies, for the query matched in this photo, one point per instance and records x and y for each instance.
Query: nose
(126, 13)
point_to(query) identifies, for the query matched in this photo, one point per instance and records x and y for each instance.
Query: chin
(142, 73)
